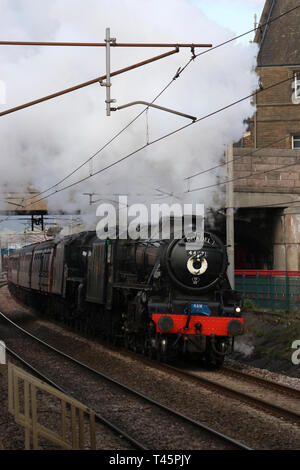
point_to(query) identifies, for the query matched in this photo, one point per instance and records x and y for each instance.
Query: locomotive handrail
(132, 286)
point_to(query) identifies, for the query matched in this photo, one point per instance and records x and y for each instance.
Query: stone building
(267, 160)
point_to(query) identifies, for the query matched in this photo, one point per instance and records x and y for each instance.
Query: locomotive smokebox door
(96, 279)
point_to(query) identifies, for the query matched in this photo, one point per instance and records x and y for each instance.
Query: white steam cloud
(42, 144)
(244, 347)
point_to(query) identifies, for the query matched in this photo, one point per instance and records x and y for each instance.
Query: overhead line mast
(109, 42)
(85, 84)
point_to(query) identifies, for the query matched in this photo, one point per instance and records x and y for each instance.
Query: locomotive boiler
(160, 297)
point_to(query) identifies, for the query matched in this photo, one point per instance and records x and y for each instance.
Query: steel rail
(285, 389)
(240, 395)
(169, 410)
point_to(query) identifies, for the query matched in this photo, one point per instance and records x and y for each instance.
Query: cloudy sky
(44, 143)
(237, 15)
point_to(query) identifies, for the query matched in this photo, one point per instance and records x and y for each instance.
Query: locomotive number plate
(200, 309)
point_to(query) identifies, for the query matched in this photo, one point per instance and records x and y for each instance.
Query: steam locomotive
(159, 297)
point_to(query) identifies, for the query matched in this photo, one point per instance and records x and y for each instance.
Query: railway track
(201, 377)
(215, 384)
(162, 418)
(261, 381)
(250, 398)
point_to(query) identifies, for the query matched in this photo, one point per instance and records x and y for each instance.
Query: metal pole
(107, 84)
(146, 103)
(90, 197)
(90, 82)
(102, 44)
(230, 215)
(255, 121)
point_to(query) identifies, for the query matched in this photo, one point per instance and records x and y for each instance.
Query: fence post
(27, 415)
(34, 418)
(287, 290)
(92, 431)
(272, 292)
(256, 288)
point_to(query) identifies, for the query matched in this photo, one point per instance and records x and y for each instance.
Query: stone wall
(267, 171)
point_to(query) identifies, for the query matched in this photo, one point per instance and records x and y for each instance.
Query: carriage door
(96, 278)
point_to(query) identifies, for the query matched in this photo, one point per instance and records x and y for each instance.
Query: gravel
(266, 374)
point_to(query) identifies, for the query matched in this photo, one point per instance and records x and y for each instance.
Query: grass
(282, 315)
(248, 304)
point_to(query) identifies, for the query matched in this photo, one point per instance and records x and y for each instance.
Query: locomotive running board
(132, 286)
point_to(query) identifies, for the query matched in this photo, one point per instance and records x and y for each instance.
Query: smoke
(42, 144)
(244, 346)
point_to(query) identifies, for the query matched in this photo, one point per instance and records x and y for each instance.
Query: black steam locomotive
(156, 296)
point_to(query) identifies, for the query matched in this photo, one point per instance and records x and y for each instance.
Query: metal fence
(3, 279)
(75, 429)
(273, 290)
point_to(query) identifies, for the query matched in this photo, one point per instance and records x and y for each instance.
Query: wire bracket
(177, 74)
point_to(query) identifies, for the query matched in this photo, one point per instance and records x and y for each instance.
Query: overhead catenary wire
(179, 72)
(177, 75)
(107, 167)
(235, 159)
(255, 173)
(59, 93)
(85, 84)
(104, 146)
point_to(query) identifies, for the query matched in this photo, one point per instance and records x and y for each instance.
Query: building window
(296, 141)
(296, 88)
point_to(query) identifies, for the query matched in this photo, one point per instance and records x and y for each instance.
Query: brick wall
(277, 117)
